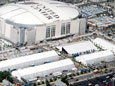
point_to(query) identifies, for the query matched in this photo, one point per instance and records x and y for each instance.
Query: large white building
(27, 61)
(97, 57)
(42, 70)
(104, 44)
(37, 20)
(78, 47)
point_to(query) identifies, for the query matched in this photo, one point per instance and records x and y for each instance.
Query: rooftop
(91, 11)
(29, 58)
(78, 47)
(103, 21)
(95, 55)
(39, 11)
(104, 43)
(43, 69)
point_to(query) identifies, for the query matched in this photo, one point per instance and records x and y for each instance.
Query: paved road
(105, 80)
(89, 76)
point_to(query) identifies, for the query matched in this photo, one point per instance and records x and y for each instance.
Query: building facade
(35, 21)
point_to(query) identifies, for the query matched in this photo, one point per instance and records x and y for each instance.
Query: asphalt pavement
(88, 76)
(105, 80)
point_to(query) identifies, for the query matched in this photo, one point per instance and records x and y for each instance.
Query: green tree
(105, 66)
(51, 80)
(47, 83)
(64, 79)
(38, 83)
(77, 73)
(89, 70)
(34, 84)
(43, 82)
(5, 75)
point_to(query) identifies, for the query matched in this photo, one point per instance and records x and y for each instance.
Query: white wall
(2, 27)
(82, 26)
(44, 69)
(8, 31)
(75, 26)
(15, 35)
(58, 27)
(30, 35)
(40, 33)
(26, 61)
(41, 30)
(98, 60)
(43, 73)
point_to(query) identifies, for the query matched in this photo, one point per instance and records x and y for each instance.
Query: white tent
(104, 44)
(78, 47)
(45, 69)
(26, 61)
(96, 57)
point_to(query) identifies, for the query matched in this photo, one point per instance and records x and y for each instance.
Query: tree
(74, 74)
(34, 84)
(5, 75)
(89, 70)
(10, 79)
(77, 73)
(38, 83)
(43, 82)
(55, 79)
(82, 72)
(51, 80)
(47, 83)
(70, 75)
(64, 79)
(105, 66)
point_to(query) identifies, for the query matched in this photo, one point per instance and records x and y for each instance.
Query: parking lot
(106, 80)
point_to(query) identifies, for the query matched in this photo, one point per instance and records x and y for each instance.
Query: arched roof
(38, 12)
